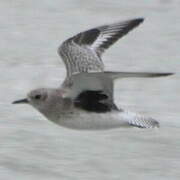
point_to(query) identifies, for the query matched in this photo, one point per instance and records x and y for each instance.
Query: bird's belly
(92, 121)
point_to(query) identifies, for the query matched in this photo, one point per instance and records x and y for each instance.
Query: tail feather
(138, 120)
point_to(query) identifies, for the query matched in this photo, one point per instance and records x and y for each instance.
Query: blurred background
(31, 147)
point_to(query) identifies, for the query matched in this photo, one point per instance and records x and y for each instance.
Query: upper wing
(101, 81)
(82, 53)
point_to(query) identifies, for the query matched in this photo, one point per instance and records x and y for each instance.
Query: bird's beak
(23, 101)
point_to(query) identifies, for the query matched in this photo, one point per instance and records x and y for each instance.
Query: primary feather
(82, 52)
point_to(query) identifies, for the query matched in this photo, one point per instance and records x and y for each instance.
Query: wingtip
(136, 22)
(168, 74)
(163, 74)
(139, 20)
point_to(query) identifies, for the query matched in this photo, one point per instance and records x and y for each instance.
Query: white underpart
(101, 121)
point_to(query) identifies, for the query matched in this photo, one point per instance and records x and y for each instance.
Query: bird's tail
(138, 120)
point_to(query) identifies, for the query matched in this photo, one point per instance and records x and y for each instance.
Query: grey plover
(85, 99)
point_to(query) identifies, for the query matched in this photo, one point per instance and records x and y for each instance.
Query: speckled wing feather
(82, 53)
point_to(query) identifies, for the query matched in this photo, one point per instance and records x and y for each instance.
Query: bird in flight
(85, 100)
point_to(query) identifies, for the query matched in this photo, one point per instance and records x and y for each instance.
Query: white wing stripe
(82, 53)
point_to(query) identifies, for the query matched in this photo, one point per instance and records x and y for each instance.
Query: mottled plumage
(82, 52)
(85, 100)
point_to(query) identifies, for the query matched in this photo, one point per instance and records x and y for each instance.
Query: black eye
(38, 96)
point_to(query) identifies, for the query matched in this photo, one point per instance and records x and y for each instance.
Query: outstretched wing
(120, 75)
(82, 53)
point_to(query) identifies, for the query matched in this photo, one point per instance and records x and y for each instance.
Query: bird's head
(35, 98)
(49, 102)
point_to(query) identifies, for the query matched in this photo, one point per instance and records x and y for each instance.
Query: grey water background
(31, 147)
